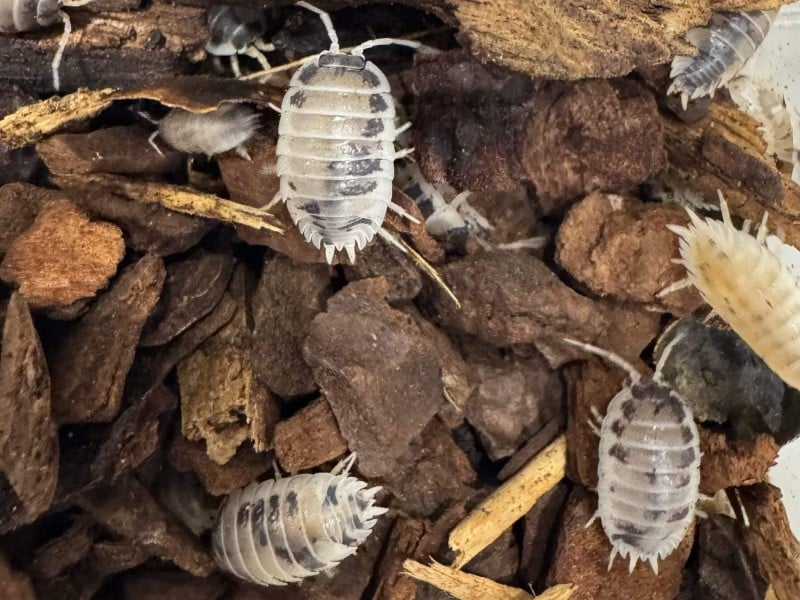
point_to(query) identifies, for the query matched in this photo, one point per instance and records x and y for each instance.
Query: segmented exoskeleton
(648, 475)
(284, 530)
(237, 30)
(724, 47)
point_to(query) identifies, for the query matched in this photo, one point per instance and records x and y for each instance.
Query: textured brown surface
(727, 463)
(19, 204)
(28, 438)
(90, 363)
(13, 585)
(309, 438)
(63, 257)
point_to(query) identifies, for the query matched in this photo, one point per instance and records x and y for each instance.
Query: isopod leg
(343, 466)
(275, 199)
(595, 516)
(609, 356)
(674, 287)
(359, 50)
(237, 72)
(253, 52)
(242, 151)
(62, 45)
(595, 421)
(402, 212)
(326, 20)
(152, 141)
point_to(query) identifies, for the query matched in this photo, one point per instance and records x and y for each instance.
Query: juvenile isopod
(29, 15)
(336, 147)
(235, 30)
(212, 133)
(724, 47)
(749, 281)
(648, 475)
(284, 530)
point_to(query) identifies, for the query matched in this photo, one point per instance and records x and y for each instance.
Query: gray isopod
(724, 48)
(648, 475)
(29, 15)
(226, 128)
(236, 30)
(284, 530)
(336, 147)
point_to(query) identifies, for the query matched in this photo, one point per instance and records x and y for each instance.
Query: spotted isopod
(336, 148)
(724, 48)
(749, 281)
(28, 15)
(648, 475)
(235, 30)
(284, 530)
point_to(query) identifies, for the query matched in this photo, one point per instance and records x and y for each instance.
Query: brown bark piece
(63, 257)
(727, 463)
(13, 585)
(129, 510)
(193, 287)
(90, 363)
(381, 406)
(57, 555)
(582, 559)
(16, 164)
(531, 448)
(538, 526)
(403, 543)
(591, 383)
(512, 400)
(28, 437)
(167, 585)
(222, 401)
(405, 279)
(769, 538)
(244, 467)
(622, 248)
(288, 297)
(19, 205)
(596, 135)
(499, 561)
(148, 228)
(573, 40)
(309, 438)
(512, 298)
(122, 150)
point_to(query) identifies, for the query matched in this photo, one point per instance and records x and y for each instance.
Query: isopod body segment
(649, 467)
(282, 531)
(748, 281)
(235, 30)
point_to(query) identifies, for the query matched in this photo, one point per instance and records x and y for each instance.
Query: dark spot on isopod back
(652, 476)
(355, 187)
(298, 98)
(307, 560)
(291, 504)
(292, 186)
(618, 452)
(257, 523)
(370, 78)
(687, 457)
(282, 552)
(654, 515)
(274, 508)
(345, 62)
(373, 128)
(626, 538)
(686, 434)
(629, 527)
(310, 208)
(330, 496)
(678, 515)
(308, 71)
(355, 167)
(361, 502)
(377, 103)
(629, 408)
(243, 514)
(618, 427)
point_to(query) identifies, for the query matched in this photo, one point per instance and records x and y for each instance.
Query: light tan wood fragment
(465, 586)
(508, 503)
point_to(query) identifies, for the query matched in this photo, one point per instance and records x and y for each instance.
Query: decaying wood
(510, 502)
(574, 39)
(465, 586)
(180, 199)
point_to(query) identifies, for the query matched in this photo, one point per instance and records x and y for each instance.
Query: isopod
(284, 530)
(336, 147)
(750, 282)
(724, 48)
(236, 30)
(226, 128)
(29, 15)
(648, 475)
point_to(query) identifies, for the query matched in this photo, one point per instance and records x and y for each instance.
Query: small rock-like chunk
(19, 204)
(597, 134)
(727, 463)
(123, 150)
(721, 378)
(289, 296)
(63, 257)
(28, 438)
(512, 298)
(404, 277)
(582, 560)
(513, 399)
(621, 247)
(90, 363)
(193, 287)
(309, 438)
(58, 554)
(378, 370)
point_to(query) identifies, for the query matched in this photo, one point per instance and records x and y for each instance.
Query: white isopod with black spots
(648, 475)
(336, 148)
(282, 531)
(723, 49)
(749, 281)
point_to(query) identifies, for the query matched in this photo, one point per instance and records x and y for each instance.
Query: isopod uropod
(336, 147)
(28, 15)
(648, 475)
(237, 30)
(724, 48)
(226, 128)
(282, 531)
(749, 282)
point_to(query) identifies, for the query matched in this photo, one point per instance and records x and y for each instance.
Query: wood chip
(510, 502)
(464, 586)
